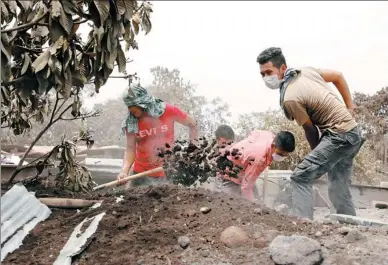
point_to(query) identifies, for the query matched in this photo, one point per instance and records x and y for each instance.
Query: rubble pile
(187, 164)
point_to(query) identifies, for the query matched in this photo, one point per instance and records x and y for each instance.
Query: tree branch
(25, 26)
(37, 138)
(114, 76)
(60, 107)
(17, 80)
(63, 112)
(84, 116)
(55, 107)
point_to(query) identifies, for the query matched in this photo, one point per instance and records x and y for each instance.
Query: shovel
(126, 179)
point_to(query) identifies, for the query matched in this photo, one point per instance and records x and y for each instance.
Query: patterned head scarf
(138, 96)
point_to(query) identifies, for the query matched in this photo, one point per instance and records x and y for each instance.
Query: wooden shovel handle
(126, 179)
(68, 203)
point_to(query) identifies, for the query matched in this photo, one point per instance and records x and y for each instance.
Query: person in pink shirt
(252, 156)
(148, 127)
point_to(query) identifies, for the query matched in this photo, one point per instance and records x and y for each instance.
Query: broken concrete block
(295, 249)
(380, 204)
(355, 220)
(384, 184)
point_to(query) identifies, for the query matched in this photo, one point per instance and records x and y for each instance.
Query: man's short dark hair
(273, 55)
(285, 141)
(225, 131)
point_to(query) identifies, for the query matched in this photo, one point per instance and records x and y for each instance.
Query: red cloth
(154, 133)
(254, 159)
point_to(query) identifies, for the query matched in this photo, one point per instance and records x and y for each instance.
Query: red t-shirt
(153, 134)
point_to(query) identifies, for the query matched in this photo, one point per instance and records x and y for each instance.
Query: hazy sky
(215, 45)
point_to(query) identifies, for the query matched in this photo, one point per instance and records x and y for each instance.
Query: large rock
(295, 250)
(234, 236)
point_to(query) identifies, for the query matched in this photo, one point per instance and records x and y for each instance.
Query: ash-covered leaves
(42, 50)
(187, 164)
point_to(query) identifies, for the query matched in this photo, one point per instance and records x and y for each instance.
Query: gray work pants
(333, 155)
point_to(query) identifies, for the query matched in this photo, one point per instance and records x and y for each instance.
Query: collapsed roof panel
(21, 211)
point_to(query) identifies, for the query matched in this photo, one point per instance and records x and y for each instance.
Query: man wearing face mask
(307, 98)
(252, 156)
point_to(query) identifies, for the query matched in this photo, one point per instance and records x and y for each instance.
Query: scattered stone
(140, 262)
(234, 236)
(344, 230)
(184, 241)
(318, 234)
(283, 208)
(301, 250)
(205, 210)
(257, 211)
(191, 213)
(354, 235)
(114, 213)
(205, 253)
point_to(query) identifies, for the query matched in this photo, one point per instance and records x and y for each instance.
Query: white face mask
(272, 81)
(277, 157)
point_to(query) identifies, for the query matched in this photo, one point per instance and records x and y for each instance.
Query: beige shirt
(310, 97)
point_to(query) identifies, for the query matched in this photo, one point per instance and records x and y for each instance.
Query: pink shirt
(153, 134)
(254, 159)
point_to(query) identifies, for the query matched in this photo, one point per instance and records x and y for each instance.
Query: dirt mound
(166, 225)
(146, 225)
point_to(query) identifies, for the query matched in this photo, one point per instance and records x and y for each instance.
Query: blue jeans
(333, 155)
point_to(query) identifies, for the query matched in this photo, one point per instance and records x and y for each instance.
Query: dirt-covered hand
(120, 178)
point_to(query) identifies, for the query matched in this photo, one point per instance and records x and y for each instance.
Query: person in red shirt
(148, 127)
(252, 155)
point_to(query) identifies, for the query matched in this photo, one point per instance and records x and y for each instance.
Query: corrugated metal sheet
(21, 211)
(78, 240)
